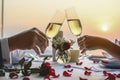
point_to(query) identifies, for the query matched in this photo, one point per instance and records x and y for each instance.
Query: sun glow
(104, 27)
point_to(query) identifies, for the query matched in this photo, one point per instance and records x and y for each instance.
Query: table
(78, 71)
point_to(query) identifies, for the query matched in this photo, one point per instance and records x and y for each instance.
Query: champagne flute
(74, 23)
(55, 24)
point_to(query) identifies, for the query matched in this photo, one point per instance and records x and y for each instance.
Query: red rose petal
(80, 78)
(79, 63)
(66, 45)
(47, 63)
(70, 70)
(87, 73)
(66, 74)
(52, 71)
(86, 68)
(53, 74)
(26, 78)
(118, 75)
(53, 46)
(110, 77)
(105, 73)
(115, 74)
(13, 75)
(67, 66)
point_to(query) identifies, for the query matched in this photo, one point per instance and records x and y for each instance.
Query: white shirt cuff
(5, 49)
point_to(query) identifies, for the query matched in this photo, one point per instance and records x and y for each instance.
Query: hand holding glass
(54, 27)
(74, 23)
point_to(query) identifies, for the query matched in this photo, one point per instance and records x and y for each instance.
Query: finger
(80, 43)
(45, 43)
(83, 51)
(41, 47)
(40, 44)
(36, 49)
(42, 39)
(82, 46)
(42, 35)
(81, 40)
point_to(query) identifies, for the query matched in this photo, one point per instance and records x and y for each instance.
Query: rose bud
(66, 45)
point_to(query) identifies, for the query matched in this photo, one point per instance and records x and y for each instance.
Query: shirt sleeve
(5, 50)
(1, 59)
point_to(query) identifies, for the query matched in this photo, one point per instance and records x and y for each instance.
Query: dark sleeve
(1, 60)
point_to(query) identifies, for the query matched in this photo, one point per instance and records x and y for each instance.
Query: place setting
(105, 62)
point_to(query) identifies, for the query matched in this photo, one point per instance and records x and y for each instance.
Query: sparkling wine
(52, 29)
(75, 26)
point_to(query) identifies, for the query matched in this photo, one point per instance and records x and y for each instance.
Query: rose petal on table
(66, 74)
(111, 77)
(79, 63)
(13, 75)
(67, 66)
(105, 73)
(53, 74)
(87, 73)
(71, 70)
(118, 75)
(52, 71)
(26, 78)
(86, 68)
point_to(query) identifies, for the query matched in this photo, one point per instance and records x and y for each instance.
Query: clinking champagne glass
(55, 24)
(74, 23)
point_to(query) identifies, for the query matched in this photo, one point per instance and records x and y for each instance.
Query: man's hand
(30, 39)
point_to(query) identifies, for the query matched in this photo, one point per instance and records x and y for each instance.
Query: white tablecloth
(78, 71)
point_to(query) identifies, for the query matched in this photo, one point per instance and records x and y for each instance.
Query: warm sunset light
(104, 27)
(98, 17)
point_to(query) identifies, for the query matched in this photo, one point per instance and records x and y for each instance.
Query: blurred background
(98, 17)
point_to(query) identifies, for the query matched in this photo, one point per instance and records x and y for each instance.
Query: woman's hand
(91, 43)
